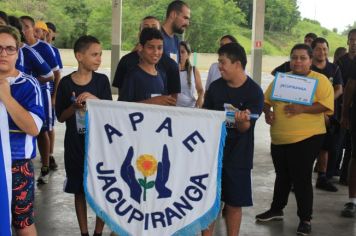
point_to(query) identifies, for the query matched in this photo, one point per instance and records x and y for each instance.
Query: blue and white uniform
(60, 65)
(30, 62)
(47, 53)
(25, 89)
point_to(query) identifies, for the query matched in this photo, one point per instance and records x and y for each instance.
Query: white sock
(353, 200)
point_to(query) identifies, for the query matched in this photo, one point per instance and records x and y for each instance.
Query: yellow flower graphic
(147, 164)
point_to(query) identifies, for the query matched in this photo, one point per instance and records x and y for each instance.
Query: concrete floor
(55, 213)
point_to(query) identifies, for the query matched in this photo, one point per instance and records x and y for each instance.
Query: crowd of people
(158, 71)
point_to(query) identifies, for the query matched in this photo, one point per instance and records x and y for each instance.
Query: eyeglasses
(10, 50)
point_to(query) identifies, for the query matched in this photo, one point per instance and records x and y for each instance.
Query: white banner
(153, 170)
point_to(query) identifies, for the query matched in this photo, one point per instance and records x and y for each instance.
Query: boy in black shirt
(73, 92)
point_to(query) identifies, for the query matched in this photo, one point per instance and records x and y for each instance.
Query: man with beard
(177, 20)
(333, 140)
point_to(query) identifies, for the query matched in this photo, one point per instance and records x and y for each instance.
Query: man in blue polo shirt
(177, 20)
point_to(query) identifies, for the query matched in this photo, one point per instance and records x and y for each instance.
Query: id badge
(230, 115)
(80, 121)
(174, 56)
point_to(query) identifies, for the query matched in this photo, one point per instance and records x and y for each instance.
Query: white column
(257, 39)
(115, 37)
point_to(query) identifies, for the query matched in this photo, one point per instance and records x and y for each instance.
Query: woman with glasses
(20, 94)
(297, 133)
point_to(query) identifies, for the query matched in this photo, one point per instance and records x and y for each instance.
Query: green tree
(99, 22)
(246, 7)
(348, 28)
(205, 28)
(281, 15)
(79, 12)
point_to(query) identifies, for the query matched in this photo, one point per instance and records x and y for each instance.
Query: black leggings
(293, 164)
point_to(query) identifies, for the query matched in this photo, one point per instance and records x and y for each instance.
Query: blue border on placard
(293, 101)
(204, 221)
(96, 208)
(198, 225)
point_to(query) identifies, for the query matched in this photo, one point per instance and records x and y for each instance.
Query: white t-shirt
(186, 96)
(213, 74)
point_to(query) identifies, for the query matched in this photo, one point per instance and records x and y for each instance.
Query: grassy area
(280, 43)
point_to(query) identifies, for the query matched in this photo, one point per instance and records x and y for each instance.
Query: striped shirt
(30, 62)
(26, 91)
(60, 64)
(47, 53)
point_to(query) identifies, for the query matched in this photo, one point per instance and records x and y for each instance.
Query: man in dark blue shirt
(177, 20)
(332, 143)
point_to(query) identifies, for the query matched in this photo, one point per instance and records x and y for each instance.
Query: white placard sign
(294, 89)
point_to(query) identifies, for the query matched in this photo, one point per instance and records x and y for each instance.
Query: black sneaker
(343, 182)
(52, 163)
(270, 215)
(349, 210)
(325, 184)
(304, 228)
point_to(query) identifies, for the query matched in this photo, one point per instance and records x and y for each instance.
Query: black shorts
(332, 135)
(73, 184)
(237, 187)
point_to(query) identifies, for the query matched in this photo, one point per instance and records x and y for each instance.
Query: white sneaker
(44, 177)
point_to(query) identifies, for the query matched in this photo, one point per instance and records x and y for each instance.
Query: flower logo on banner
(147, 164)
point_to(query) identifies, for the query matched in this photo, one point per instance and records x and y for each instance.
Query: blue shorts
(47, 106)
(237, 187)
(23, 193)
